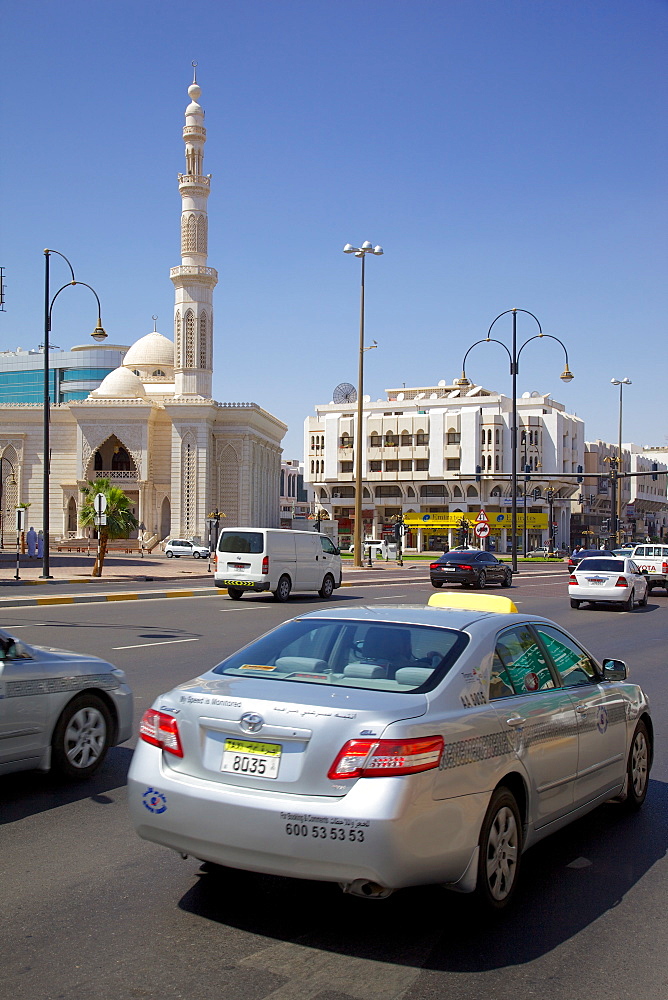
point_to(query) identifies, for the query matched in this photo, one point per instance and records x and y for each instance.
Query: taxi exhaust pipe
(365, 889)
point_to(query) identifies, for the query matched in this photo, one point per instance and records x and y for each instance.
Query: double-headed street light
(98, 334)
(360, 252)
(514, 356)
(617, 513)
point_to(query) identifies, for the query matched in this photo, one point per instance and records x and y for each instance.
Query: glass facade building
(72, 374)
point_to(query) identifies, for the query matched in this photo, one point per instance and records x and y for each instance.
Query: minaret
(194, 282)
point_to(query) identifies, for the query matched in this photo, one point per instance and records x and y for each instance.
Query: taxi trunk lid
(277, 737)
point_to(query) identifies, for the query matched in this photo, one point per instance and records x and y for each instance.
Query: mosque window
(158, 373)
(202, 342)
(135, 371)
(190, 340)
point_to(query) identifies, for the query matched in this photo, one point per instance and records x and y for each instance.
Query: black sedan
(471, 569)
(576, 557)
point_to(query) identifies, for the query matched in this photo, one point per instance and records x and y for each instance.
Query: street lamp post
(360, 252)
(621, 382)
(98, 334)
(514, 356)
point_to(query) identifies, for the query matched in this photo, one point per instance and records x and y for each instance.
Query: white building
(445, 451)
(151, 424)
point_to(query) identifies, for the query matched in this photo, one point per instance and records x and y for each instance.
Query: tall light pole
(98, 334)
(621, 382)
(360, 252)
(514, 356)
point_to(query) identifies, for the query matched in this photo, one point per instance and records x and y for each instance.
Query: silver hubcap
(502, 849)
(85, 737)
(639, 757)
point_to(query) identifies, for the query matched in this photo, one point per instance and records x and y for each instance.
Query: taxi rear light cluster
(385, 758)
(435, 565)
(664, 568)
(161, 730)
(622, 582)
(265, 566)
(573, 578)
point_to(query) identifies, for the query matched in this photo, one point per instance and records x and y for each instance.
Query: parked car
(59, 710)
(576, 557)
(488, 730)
(176, 547)
(471, 568)
(544, 553)
(277, 560)
(604, 580)
(377, 546)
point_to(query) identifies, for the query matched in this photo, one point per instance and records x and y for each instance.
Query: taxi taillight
(265, 566)
(664, 567)
(435, 565)
(622, 582)
(573, 578)
(161, 730)
(385, 758)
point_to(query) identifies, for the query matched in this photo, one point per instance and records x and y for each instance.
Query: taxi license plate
(249, 757)
(596, 580)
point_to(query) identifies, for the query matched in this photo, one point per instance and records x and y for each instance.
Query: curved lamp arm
(98, 333)
(486, 340)
(567, 374)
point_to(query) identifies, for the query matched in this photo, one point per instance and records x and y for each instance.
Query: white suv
(180, 547)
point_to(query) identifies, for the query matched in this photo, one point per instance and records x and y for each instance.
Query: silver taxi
(391, 746)
(59, 710)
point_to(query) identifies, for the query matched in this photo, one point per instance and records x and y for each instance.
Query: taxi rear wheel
(236, 593)
(437, 583)
(637, 768)
(283, 589)
(630, 603)
(82, 737)
(575, 604)
(500, 850)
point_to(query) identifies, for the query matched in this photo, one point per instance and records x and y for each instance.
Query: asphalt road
(90, 911)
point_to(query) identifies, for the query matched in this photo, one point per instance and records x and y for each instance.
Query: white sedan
(603, 579)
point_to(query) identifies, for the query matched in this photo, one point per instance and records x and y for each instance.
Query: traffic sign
(100, 503)
(482, 516)
(481, 529)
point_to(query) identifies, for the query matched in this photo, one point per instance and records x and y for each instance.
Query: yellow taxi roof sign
(473, 602)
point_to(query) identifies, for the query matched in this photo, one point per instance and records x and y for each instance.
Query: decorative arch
(471, 491)
(165, 518)
(203, 341)
(229, 483)
(188, 484)
(9, 470)
(189, 320)
(177, 338)
(457, 492)
(72, 518)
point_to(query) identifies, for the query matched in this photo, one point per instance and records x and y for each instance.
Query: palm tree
(120, 519)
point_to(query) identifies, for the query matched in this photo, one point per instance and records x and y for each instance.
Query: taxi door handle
(515, 720)
(581, 709)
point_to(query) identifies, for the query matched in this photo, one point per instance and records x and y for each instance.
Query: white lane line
(164, 642)
(394, 596)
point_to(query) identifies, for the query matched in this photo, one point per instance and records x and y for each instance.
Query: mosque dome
(120, 384)
(150, 351)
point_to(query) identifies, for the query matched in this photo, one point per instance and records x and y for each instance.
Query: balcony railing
(117, 474)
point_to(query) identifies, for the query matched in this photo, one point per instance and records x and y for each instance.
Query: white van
(278, 560)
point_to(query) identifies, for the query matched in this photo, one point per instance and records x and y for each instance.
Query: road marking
(165, 642)
(580, 863)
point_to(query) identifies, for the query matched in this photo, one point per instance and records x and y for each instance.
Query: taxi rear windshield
(251, 542)
(357, 654)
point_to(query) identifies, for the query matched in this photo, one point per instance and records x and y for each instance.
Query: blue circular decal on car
(154, 800)
(602, 720)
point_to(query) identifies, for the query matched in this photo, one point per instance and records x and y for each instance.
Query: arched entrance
(165, 518)
(72, 517)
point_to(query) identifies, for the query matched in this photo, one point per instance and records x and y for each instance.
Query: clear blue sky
(505, 153)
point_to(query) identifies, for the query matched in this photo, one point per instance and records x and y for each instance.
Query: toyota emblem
(251, 722)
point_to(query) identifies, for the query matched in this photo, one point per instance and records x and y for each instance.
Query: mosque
(151, 425)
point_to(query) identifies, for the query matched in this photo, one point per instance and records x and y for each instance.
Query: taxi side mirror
(614, 670)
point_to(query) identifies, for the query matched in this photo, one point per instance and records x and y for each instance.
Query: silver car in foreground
(59, 710)
(391, 746)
